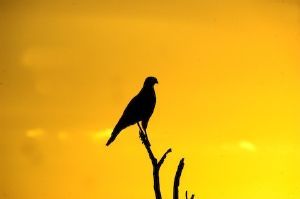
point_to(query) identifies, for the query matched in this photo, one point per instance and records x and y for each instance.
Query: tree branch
(156, 165)
(186, 195)
(162, 159)
(177, 179)
(147, 145)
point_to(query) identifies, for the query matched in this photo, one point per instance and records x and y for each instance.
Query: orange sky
(227, 100)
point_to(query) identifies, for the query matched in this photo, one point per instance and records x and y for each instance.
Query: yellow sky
(227, 100)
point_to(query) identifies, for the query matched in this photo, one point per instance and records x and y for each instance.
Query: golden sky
(227, 100)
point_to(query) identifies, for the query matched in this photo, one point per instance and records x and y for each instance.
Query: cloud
(242, 145)
(102, 134)
(38, 58)
(246, 145)
(35, 133)
(62, 135)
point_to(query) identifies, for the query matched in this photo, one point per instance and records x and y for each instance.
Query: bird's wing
(140, 108)
(148, 107)
(129, 117)
(147, 114)
(132, 113)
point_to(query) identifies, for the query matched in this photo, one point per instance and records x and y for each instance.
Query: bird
(139, 109)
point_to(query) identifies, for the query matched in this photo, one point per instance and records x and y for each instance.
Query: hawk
(140, 108)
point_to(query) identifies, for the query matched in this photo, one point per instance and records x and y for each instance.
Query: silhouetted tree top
(140, 109)
(156, 164)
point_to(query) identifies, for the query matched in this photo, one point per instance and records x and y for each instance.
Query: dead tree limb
(155, 164)
(187, 197)
(177, 179)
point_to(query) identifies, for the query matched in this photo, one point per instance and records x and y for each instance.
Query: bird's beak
(156, 82)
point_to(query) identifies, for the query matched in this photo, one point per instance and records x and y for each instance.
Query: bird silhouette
(140, 108)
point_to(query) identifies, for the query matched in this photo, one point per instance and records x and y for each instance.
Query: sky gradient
(227, 99)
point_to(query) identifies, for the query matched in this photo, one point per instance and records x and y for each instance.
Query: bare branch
(187, 197)
(145, 141)
(162, 159)
(177, 178)
(156, 166)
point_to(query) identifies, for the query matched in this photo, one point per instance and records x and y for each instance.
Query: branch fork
(156, 164)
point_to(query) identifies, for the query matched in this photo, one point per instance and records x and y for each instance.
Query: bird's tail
(114, 134)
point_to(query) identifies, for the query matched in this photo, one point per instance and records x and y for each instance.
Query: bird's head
(150, 81)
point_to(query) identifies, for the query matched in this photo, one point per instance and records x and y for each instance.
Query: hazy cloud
(101, 134)
(243, 145)
(62, 135)
(247, 145)
(35, 133)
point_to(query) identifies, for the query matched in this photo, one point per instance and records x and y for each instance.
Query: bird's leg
(143, 135)
(141, 132)
(141, 129)
(146, 134)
